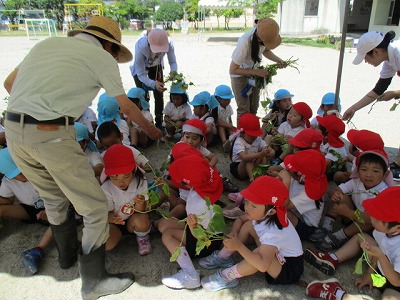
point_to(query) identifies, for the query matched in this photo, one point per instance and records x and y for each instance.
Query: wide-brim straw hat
(106, 29)
(268, 32)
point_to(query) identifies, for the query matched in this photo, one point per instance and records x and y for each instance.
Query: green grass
(310, 42)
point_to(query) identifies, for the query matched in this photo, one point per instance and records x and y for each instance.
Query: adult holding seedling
(245, 64)
(376, 48)
(147, 67)
(41, 137)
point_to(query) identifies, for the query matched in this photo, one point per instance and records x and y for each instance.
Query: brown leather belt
(14, 117)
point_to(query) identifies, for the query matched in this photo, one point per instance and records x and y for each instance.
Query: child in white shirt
(327, 105)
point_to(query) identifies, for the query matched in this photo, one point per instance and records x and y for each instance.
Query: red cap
(196, 126)
(269, 191)
(182, 149)
(365, 140)
(380, 153)
(312, 165)
(196, 172)
(250, 124)
(385, 206)
(307, 139)
(335, 128)
(304, 110)
(118, 159)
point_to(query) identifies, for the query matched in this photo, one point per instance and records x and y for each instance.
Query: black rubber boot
(96, 281)
(66, 238)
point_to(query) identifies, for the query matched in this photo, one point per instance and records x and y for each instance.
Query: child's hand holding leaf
(191, 221)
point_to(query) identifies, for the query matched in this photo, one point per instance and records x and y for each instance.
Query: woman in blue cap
(137, 135)
(177, 111)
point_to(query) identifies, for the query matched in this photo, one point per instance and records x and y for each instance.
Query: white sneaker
(182, 280)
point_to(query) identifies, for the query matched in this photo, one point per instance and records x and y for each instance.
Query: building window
(311, 8)
(394, 13)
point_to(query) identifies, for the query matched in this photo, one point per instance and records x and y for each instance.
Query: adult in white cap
(49, 89)
(246, 58)
(376, 48)
(147, 66)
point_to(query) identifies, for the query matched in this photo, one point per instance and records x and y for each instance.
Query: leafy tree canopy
(169, 12)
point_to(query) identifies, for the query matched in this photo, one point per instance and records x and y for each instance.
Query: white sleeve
(5, 190)
(387, 71)
(348, 186)
(241, 51)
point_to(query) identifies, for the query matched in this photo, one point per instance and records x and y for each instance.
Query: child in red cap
(347, 198)
(126, 191)
(332, 147)
(307, 184)
(203, 181)
(382, 249)
(249, 149)
(279, 254)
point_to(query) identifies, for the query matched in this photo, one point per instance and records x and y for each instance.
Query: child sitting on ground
(137, 136)
(125, 189)
(89, 148)
(307, 184)
(332, 147)
(372, 168)
(382, 250)
(30, 208)
(223, 94)
(326, 107)
(280, 107)
(203, 104)
(90, 120)
(279, 253)
(177, 111)
(203, 181)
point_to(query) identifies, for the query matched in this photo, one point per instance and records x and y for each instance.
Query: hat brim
(159, 48)
(374, 210)
(359, 58)
(283, 97)
(335, 142)
(315, 188)
(119, 170)
(351, 135)
(274, 44)
(124, 54)
(257, 132)
(297, 143)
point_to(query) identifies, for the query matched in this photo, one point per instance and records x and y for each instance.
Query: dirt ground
(205, 62)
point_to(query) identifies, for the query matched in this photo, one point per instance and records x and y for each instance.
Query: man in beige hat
(49, 89)
(147, 67)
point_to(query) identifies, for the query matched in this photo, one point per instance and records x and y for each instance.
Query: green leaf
(207, 199)
(358, 215)
(200, 245)
(260, 170)
(165, 188)
(358, 268)
(175, 255)
(394, 106)
(165, 214)
(217, 223)
(265, 103)
(154, 198)
(199, 233)
(378, 280)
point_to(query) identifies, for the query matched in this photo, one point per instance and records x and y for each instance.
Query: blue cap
(139, 94)
(279, 95)
(7, 164)
(328, 99)
(223, 91)
(177, 89)
(204, 98)
(82, 133)
(107, 109)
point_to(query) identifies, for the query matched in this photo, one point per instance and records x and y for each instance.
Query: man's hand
(160, 87)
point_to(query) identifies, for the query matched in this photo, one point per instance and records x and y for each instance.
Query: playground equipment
(40, 27)
(78, 14)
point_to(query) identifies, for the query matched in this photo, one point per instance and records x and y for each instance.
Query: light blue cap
(107, 109)
(223, 91)
(204, 98)
(328, 99)
(279, 95)
(177, 89)
(7, 164)
(139, 94)
(82, 133)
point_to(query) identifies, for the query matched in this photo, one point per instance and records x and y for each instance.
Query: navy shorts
(32, 212)
(290, 273)
(303, 230)
(233, 167)
(191, 242)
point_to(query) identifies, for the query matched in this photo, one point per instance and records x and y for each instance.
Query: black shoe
(393, 165)
(229, 186)
(396, 174)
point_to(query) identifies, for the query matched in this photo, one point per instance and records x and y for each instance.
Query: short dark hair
(107, 129)
(392, 224)
(373, 158)
(274, 218)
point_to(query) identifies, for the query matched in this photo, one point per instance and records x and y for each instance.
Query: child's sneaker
(182, 280)
(233, 213)
(318, 235)
(329, 243)
(326, 289)
(229, 186)
(236, 197)
(144, 245)
(321, 260)
(214, 261)
(217, 282)
(31, 259)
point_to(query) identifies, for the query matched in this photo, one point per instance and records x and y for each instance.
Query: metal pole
(342, 47)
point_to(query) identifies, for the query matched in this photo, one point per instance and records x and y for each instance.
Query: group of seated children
(276, 211)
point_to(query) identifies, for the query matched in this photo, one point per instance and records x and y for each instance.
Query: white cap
(366, 43)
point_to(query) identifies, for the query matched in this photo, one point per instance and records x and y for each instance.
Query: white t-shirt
(195, 204)
(241, 145)
(25, 192)
(140, 159)
(208, 120)
(225, 114)
(392, 65)
(148, 116)
(183, 194)
(305, 206)
(117, 198)
(325, 150)
(94, 158)
(360, 193)
(183, 111)
(389, 246)
(87, 118)
(286, 129)
(286, 240)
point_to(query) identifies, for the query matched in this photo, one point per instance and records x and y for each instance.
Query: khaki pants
(56, 165)
(245, 104)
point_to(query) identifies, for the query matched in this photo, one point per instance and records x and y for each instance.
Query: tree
(267, 8)
(231, 13)
(169, 12)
